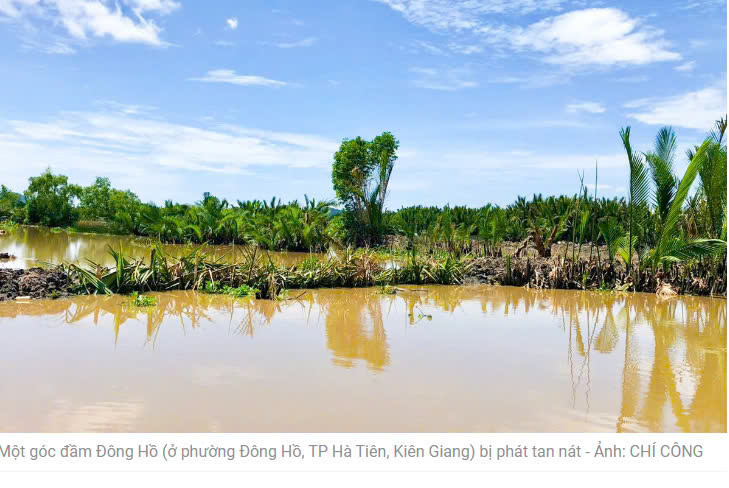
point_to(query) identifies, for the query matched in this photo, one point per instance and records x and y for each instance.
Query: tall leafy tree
(351, 172)
(50, 200)
(10, 204)
(96, 200)
(360, 175)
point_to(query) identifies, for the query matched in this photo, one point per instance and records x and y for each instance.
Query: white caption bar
(369, 452)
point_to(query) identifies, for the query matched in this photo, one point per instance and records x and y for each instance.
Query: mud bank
(557, 273)
(34, 283)
(530, 272)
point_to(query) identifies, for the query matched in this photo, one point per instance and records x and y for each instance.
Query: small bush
(142, 300)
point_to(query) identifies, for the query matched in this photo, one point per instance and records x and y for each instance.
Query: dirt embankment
(34, 283)
(558, 273)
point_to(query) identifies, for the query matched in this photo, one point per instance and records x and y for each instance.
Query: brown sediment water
(434, 359)
(34, 246)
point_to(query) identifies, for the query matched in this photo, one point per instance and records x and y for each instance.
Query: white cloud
(122, 140)
(589, 107)
(16, 8)
(463, 14)
(49, 46)
(165, 7)
(511, 124)
(125, 108)
(596, 36)
(465, 48)
(593, 36)
(703, 5)
(533, 80)
(308, 42)
(685, 67)
(632, 79)
(448, 80)
(59, 48)
(230, 76)
(224, 43)
(84, 19)
(429, 47)
(694, 110)
(232, 23)
(445, 49)
(515, 160)
(120, 20)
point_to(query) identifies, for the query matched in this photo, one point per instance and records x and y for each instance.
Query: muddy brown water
(34, 246)
(435, 359)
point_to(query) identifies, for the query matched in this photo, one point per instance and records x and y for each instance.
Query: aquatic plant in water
(238, 291)
(138, 300)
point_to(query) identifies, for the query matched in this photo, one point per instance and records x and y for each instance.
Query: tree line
(665, 218)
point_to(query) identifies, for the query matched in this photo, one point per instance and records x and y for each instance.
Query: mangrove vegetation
(668, 235)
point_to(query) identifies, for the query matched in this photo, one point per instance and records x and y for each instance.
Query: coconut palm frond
(665, 145)
(612, 233)
(638, 193)
(676, 250)
(717, 134)
(671, 230)
(624, 247)
(660, 162)
(639, 176)
(712, 175)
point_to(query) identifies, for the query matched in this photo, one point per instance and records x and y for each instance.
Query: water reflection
(355, 329)
(591, 361)
(34, 246)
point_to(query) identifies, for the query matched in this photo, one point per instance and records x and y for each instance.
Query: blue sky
(489, 99)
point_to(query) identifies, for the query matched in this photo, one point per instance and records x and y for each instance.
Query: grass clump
(241, 291)
(387, 290)
(139, 300)
(8, 226)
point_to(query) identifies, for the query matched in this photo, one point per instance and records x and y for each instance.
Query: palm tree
(660, 162)
(712, 176)
(638, 198)
(613, 235)
(672, 245)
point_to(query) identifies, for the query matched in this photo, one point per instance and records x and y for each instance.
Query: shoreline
(358, 270)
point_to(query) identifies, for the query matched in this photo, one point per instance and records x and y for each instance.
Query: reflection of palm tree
(662, 384)
(677, 325)
(707, 412)
(706, 353)
(629, 398)
(355, 330)
(608, 337)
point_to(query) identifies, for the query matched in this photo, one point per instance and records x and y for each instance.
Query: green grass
(92, 227)
(387, 290)
(238, 291)
(138, 300)
(8, 226)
